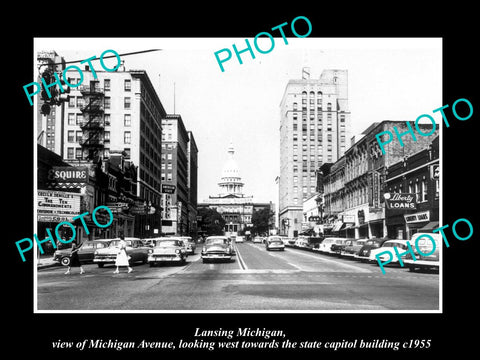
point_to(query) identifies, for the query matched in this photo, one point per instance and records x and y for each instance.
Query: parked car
(388, 246)
(136, 249)
(239, 239)
(364, 252)
(85, 252)
(425, 245)
(274, 243)
(302, 242)
(217, 248)
(257, 240)
(337, 248)
(352, 249)
(189, 243)
(167, 249)
(326, 245)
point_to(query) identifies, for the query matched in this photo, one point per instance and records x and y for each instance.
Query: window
(71, 101)
(106, 84)
(424, 190)
(79, 101)
(106, 135)
(127, 120)
(126, 103)
(79, 119)
(107, 119)
(127, 85)
(71, 119)
(78, 153)
(126, 137)
(70, 152)
(71, 135)
(107, 103)
(417, 191)
(79, 135)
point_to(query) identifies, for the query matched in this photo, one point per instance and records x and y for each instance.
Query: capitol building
(235, 207)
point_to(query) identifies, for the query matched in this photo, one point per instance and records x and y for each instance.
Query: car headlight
(204, 249)
(96, 252)
(150, 251)
(177, 251)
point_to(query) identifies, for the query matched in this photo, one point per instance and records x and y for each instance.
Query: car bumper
(163, 258)
(421, 263)
(216, 256)
(104, 260)
(276, 247)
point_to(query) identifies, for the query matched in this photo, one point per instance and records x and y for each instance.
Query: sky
(389, 79)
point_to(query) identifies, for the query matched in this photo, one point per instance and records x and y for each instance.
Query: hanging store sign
(168, 189)
(57, 206)
(417, 217)
(398, 201)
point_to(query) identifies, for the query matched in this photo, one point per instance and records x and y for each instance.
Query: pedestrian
(122, 256)
(74, 258)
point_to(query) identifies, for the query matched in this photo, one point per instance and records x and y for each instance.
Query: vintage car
(425, 245)
(337, 248)
(258, 240)
(189, 243)
(217, 248)
(327, 243)
(350, 250)
(364, 252)
(274, 243)
(136, 249)
(302, 242)
(239, 239)
(85, 252)
(388, 246)
(167, 249)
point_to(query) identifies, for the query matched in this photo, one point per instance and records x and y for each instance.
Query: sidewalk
(46, 261)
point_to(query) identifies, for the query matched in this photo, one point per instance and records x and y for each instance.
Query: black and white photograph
(260, 184)
(259, 187)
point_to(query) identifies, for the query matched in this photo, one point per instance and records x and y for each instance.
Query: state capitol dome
(231, 182)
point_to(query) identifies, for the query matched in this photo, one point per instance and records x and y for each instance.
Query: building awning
(429, 227)
(337, 226)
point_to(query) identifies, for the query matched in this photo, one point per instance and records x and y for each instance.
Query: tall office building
(117, 111)
(314, 128)
(175, 172)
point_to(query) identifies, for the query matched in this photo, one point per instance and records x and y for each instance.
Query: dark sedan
(364, 252)
(85, 253)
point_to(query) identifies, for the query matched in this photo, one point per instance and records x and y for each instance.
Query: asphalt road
(256, 280)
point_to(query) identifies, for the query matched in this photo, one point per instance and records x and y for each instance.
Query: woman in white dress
(122, 257)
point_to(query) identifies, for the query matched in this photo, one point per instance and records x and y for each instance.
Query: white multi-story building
(314, 128)
(117, 111)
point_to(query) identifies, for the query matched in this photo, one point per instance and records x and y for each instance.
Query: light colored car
(85, 252)
(136, 249)
(239, 239)
(388, 246)
(274, 243)
(301, 242)
(257, 240)
(189, 243)
(168, 249)
(326, 245)
(217, 248)
(425, 245)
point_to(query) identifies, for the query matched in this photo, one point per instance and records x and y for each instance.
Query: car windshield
(216, 241)
(276, 241)
(167, 243)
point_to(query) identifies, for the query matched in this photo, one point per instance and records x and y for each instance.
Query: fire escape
(93, 124)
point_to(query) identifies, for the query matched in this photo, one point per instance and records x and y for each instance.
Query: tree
(211, 222)
(261, 220)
